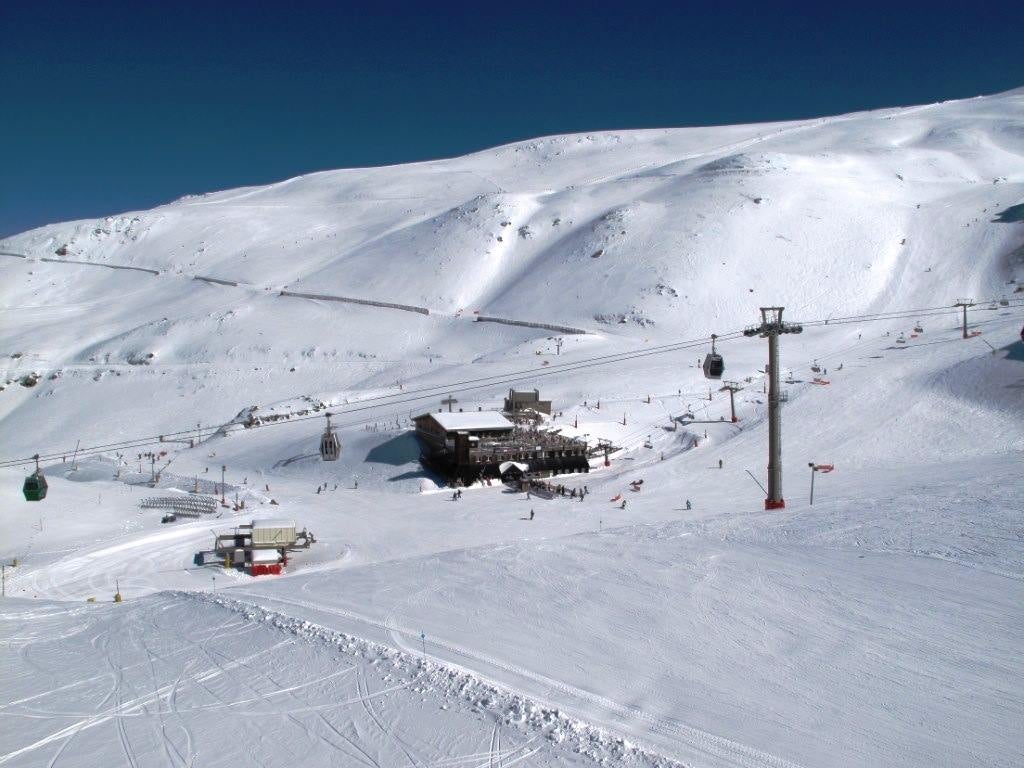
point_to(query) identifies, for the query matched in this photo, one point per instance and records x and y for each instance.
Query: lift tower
(964, 304)
(732, 388)
(770, 328)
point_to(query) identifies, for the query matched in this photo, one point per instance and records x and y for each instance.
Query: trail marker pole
(423, 641)
(771, 328)
(223, 469)
(811, 465)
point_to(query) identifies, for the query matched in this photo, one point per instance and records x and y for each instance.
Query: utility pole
(811, 465)
(732, 388)
(223, 469)
(964, 304)
(771, 328)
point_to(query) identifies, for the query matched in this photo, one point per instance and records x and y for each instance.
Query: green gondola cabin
(35, 487)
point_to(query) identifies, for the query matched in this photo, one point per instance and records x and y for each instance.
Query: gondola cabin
(330, 446)
(714, 364)
(35, 487)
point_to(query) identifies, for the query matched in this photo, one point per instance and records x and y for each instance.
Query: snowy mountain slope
(877, 626)
(830, 216)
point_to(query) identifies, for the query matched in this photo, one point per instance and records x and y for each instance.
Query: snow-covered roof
(474, 420)
(265, 556)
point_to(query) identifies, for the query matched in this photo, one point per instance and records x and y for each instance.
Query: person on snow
(719, 463)
(623, 504)
(531, 514)
(688, 505)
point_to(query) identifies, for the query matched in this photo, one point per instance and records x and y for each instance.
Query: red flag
(824, 467)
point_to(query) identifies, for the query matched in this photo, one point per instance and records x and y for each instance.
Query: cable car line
(488, 381)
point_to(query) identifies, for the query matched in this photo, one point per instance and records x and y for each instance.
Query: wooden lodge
(464, 447)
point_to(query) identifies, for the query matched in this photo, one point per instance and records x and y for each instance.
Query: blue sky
(113, 106)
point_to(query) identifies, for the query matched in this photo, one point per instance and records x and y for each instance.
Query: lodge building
(465, 447)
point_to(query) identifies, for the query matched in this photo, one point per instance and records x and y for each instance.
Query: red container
(265, 569)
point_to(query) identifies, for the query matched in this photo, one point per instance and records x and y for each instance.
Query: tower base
(769, 504)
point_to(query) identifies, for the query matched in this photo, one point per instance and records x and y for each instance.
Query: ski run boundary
(513, 708)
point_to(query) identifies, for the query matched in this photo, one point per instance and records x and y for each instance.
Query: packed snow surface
(882, 625)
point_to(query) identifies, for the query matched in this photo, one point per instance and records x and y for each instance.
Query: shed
(273, 533)
(266, 556)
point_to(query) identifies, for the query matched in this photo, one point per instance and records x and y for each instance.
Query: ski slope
(879, 626)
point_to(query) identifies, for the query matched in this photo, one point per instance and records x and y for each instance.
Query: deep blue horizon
(114, 106)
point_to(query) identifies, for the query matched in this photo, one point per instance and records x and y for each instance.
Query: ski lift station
(259, 548)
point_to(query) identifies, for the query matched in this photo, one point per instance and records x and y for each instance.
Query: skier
(455, 496)
(688, 505)
(719, 463)
(531, 514)
(623, 504)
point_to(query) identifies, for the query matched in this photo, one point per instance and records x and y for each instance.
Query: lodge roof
(473, 421)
